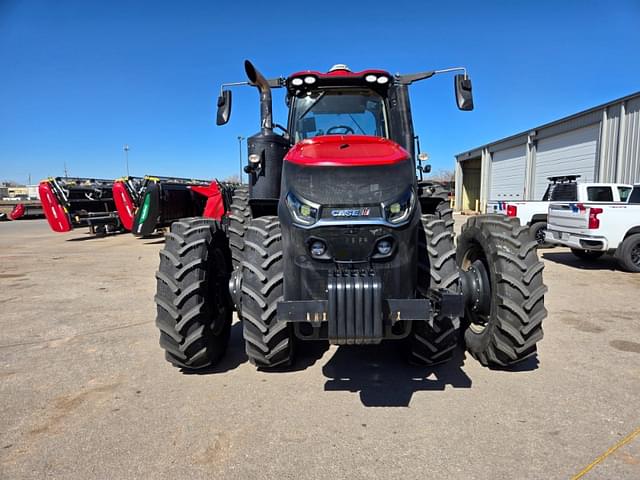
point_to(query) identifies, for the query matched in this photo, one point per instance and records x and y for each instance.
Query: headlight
(400, 210)
(301, 212)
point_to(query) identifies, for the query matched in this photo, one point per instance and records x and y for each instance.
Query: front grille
(354, 307)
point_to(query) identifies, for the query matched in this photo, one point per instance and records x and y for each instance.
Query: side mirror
(224, 107)
(426, 168)
(464, 97)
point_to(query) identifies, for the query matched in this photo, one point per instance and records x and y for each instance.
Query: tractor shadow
(89, 236)
(606, 262)
(383, 378)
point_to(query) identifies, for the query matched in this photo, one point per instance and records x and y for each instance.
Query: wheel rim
(635, 254)
(476, 288)
(540, 236)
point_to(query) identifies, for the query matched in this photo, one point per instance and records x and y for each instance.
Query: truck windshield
(339, 112)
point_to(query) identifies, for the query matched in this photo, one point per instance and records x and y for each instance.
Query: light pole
(240, 139)
(126, 156)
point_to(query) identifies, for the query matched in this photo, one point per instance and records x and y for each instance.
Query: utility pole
(126, 156)
(240, 139)
(66, 173)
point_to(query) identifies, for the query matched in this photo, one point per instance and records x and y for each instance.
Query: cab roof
(338, 76)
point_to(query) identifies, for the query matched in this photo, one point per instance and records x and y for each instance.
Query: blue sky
(79, 79)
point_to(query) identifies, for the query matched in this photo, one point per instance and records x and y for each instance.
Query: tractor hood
(347, 170)
(346, 151)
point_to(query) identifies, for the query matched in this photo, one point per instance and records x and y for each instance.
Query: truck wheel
(445, 213)
(239, 216)
(268, 343)
(587, 254)
(628, 254)
(501, 279)
(433, 342)
(537, 230)
(193, 306)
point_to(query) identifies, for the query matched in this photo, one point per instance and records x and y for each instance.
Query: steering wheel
(347, 130)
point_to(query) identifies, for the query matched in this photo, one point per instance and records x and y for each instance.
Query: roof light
(296, 82)
(339, 66)
(370, 78)
(382, 80)
(309, 80)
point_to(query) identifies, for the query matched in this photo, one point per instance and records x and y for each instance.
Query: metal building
(601, 144)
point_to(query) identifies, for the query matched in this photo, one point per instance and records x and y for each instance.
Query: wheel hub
(235, 287)
(476, 288)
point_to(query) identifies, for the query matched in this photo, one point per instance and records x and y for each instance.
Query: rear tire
(506, 329)
(433, 342)
(268, 342)
(194, 310)
(445, 213)
(628, 254)
(587, 254)
(238, 218)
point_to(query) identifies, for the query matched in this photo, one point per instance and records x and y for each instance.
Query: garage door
(571, 153)
(507, 174)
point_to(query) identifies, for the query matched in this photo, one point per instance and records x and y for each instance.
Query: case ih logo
(351, 212)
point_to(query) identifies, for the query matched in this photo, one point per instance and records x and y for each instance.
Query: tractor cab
(338, 103)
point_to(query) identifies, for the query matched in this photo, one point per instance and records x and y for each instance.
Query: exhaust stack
(257, 80)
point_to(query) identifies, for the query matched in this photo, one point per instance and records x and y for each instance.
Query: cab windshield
(338, 112)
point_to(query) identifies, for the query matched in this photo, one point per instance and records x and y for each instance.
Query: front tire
(628, 254)
(268, 343)
(498, 260)
(433, 342)
(194, 310)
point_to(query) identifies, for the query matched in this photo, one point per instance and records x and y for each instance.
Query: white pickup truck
(561, 189)
(593, 229)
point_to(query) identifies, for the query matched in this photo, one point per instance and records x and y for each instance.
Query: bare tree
(232, 179)
(443, 175)
(10, 183)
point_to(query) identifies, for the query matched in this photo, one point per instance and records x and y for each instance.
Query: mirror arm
(452, 69)
(409, 78)
(273, 83)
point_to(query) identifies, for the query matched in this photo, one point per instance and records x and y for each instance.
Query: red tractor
(332, 241)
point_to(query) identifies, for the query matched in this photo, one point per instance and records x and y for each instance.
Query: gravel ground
(86, 393)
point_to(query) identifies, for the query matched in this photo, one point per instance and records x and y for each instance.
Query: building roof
(475, 152)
